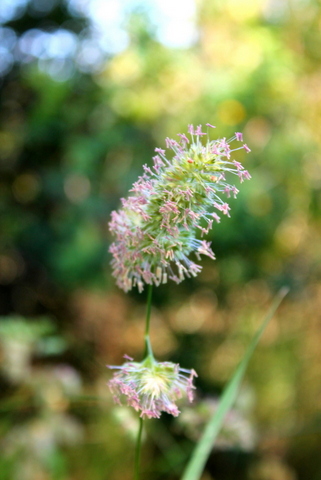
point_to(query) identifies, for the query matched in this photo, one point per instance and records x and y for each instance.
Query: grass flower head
(173, 203)
(152, 387)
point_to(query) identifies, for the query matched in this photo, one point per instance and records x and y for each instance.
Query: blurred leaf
(19, 328)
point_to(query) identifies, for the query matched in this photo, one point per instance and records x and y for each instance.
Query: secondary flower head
(152, 387)
(156, 228)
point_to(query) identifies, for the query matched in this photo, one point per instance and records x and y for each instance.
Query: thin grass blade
(202, 451)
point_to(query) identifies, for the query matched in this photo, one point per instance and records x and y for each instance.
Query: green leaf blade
(203, 449)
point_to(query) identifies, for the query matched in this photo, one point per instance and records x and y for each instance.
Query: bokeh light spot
(291, 233)
(231, 112)
(26, 187)
(241, 10)
(77, 188)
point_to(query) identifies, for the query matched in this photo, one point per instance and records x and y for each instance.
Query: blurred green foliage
(69, 149)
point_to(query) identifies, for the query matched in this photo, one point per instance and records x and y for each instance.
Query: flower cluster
(152, 387)
(157, 226)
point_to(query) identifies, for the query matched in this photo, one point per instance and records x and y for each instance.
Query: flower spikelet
(173, 203)
(152, 387)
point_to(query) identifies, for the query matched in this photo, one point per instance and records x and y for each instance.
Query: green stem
(148, 347)
(138, 449)
(147, 353)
